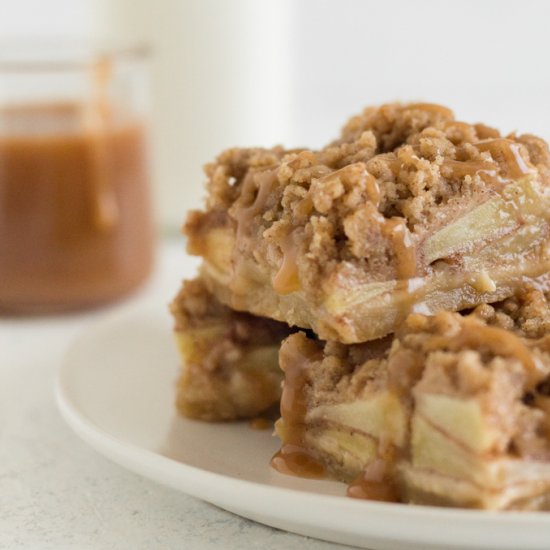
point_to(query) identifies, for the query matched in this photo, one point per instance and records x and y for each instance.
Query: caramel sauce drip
(260, 423)
(296, 357)
(260, 185)
(543, 402)
(294, 460)
(405, 251)
(460, 169)
(498, 341)
(507, 164)
(97, 119)
(373, 190)
(287, 279)
(304, 208)
(507, 154)
(375, 482)
(486, 132)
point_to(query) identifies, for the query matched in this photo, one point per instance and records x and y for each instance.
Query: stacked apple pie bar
(402, 270)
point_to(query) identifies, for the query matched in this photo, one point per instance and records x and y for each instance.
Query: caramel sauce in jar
(75, 222)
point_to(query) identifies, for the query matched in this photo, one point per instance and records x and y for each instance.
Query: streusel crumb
(397, 161)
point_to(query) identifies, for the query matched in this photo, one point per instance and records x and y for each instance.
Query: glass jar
(75, 216)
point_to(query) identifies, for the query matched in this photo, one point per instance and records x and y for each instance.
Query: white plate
(116, 390)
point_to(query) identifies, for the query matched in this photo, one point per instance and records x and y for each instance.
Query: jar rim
(45, 54)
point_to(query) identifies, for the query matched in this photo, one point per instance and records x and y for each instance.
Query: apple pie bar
(230, 367)
(413, 255)
(409, 210)
(452, 410)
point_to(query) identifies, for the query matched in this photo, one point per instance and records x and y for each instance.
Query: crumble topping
(384, 182)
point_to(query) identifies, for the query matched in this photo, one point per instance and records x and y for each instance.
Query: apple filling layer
(230, 367)
(453, 410)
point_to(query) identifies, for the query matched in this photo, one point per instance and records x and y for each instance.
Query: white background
(316, 62)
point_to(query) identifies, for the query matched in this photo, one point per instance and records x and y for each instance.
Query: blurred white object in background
(260, 72)
(40, 19)
(219, 77)
(487, 60)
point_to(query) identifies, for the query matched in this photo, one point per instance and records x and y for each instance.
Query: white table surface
(56, 493)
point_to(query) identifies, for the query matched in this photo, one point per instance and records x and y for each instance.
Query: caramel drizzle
(260, 183)
(294, 458)
(375, 482)
(507, 154)
(373, 190)
(260, 423)
(507, 163)
(405, 251)
(498, 341)
(265, 181)
(460, 169)
(506, 160)
(486, 170)
(97, 119)
(287, 279)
